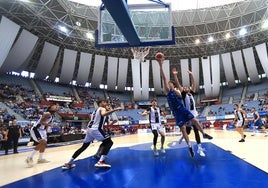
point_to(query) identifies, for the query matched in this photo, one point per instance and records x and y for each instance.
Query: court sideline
(133, 164)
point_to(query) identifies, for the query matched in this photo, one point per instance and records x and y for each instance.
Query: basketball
(159, 55)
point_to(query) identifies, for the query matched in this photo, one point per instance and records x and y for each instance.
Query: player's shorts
(190, 123)
(240, 123)
(95, 134)
(258, 123)
(182, 115)
(38, 134)
(194, 112)
(158, 126)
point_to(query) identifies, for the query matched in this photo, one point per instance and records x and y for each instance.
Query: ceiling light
(78, 23)
(210, 39)
(197, 41)
(242, 32)
(265, 24)
(63, 29)
(90, 35)
(227, 36)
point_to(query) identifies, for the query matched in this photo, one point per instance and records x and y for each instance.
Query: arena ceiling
(42, 18)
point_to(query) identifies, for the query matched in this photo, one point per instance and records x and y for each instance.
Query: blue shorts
(258, 123)
(182, 115)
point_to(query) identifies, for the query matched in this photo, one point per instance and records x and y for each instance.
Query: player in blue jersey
(181, 114)
(256, 120)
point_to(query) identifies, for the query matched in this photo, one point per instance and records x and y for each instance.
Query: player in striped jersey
(180, 113)
(95, 131)
(240, 116)
(187, 94)
(39, 134)
(109, 122)
(154, 113)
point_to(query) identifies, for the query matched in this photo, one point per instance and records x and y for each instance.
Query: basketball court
(228, 164)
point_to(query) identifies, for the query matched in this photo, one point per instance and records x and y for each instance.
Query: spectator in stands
(3, 138)
(181, 114)
(39, 134)
(66, 129)
(14, 132)
(239, 121)
(26, 130)
(265, 123)
(187, 94)
(154, 113)
(1, 120)
(257, 122)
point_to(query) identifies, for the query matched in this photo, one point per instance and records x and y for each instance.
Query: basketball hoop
(139, 53)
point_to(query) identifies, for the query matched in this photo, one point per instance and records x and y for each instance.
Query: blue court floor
(137, 167)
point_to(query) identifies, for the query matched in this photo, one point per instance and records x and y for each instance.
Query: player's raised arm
(193, 86)
(160, 59)
(177, 82)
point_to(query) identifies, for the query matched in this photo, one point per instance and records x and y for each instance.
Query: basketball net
(139, 53)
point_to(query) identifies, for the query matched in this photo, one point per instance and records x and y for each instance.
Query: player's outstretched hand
(189, 72)
(174, 70)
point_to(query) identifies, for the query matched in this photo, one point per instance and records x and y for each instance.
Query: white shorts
(194, 112)
(240, 123)
(95, 134)
(38, 134)
(159, 127)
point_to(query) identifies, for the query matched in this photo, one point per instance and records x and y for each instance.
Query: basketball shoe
(29, 161)
(102, 164)
(68, 166)
(201, 152)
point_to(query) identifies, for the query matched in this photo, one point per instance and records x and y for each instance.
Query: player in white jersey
(156, 126)
(239, 121)
(95, 131)
(39, 134)
(187, 94)
(109, 122)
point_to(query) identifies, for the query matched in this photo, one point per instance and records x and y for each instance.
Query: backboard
(152, 25)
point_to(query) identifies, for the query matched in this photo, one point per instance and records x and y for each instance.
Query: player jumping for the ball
(181, 114)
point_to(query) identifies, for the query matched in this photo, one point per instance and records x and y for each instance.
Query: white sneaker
(68, 166)
(200, 151)
(180, 140)
(163, 150)
(156, 152)
(29, 162)
(102, 164)
(42, 161)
